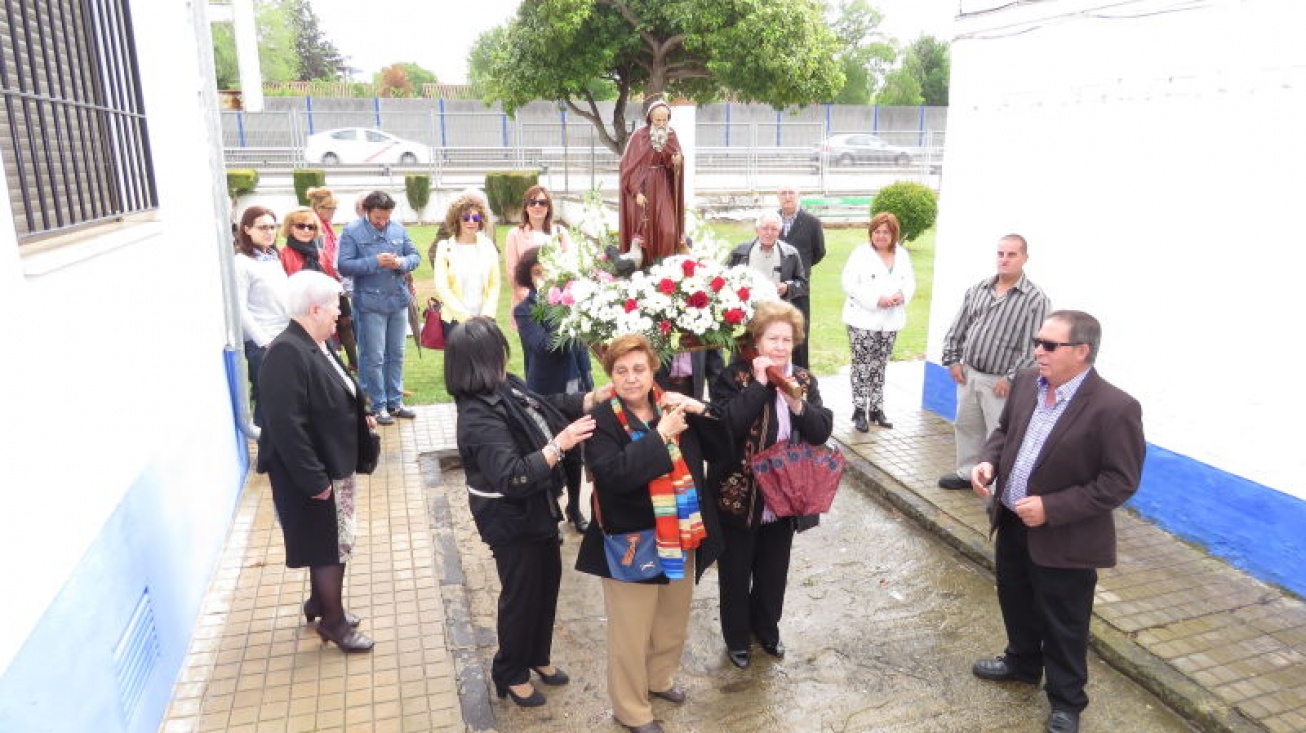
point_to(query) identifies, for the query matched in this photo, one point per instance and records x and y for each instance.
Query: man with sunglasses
(985, 346)
(378, 253)
(1067, 451)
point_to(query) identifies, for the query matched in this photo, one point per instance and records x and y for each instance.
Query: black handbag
(369, 452)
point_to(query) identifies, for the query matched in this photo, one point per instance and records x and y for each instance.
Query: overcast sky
(376, 33)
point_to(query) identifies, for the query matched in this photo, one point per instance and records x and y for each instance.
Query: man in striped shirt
(988, 342)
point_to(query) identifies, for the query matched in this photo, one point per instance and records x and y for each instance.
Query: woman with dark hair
(754, 568)
(316, 419)
(549, 370)
(466, 265)
(647, 459)
(260, 290)
(517, 449)
(878, 282)
(537, 227)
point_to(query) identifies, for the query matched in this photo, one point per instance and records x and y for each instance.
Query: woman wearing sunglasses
(466, 265)
(537, 227)
(261, 290)
(301, 230)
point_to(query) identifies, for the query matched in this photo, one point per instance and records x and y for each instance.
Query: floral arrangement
(681, 303)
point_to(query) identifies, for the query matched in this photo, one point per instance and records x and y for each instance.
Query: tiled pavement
(1225, 650)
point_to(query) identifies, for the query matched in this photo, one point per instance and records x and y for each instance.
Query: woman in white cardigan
(879, 283)
(466, 265)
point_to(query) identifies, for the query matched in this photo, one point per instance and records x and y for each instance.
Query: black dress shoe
(311, 612)
(776, 650)
(953, 482)
(650, 727)
(533, 700)
(349, 640)
(1063, 721)
(859, 421)
(675, 694)
(877, 417)
(556, 679)
(738, 657)
(577, 520)
(999, 670)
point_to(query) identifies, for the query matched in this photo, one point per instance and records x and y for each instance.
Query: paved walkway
(1225, 650)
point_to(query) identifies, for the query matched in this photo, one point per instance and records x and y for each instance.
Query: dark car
(860, 148)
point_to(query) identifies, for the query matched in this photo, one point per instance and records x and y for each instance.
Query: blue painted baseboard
(1251, 526)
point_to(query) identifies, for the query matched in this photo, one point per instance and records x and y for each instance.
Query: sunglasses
(472, 217)
(1050, 346)
(304, 226)
(538, 202)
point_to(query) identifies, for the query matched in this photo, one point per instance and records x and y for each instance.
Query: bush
(915, 205)
(306, 178)
(505, 190)
(241, 181)
(417, 187)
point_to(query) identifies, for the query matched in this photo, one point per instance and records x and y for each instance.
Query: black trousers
(752, 573)
(800, 355)
(1046, 612)
(529, 573)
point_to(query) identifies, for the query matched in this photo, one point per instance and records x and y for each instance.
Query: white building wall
(1152, 153)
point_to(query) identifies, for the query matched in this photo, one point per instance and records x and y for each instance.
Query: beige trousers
(647, 627)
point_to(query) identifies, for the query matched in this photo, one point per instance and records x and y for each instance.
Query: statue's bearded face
(657, 136)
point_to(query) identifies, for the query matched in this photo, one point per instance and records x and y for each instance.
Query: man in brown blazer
(1068, 450)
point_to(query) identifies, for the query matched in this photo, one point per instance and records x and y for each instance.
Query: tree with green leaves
(415, 75)
(318, 57)
(921, 78)
(866, 54)
(291, 46)
(775, 51)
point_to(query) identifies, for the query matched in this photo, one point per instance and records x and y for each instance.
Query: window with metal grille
(72, 124)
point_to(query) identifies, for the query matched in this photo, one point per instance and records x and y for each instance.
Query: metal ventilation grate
(135, 655)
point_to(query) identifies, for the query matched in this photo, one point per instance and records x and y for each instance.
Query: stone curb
(1201, 707)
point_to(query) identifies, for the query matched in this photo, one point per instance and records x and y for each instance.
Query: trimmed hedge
(505, 190)
(417, 187)
(915, 205)
(241, 181)
(306, 178)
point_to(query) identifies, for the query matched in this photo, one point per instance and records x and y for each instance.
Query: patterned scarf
(677, 522)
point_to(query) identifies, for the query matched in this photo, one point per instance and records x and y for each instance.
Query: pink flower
(605, 277)
(567, 297)
(688, 267)
(718, 282)
(743, 294)
(734, 316)
(667, 287)
(555, 295)
(698, 300)
(664, 327)
(631, 305)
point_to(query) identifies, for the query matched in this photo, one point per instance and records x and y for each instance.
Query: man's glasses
(304, 226)
(472, 217)
(538, 202)
(1050, 346)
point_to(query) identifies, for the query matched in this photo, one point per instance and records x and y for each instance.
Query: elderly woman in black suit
(647, 459)
(314, 420)
(755, 565)
(517, 449)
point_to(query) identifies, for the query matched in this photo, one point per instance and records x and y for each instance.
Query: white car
(364, 146)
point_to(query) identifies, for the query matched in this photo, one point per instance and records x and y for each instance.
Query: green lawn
(424, 369)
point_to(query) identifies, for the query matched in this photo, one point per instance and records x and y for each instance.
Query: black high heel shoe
(877, 417)
(556, 679)
(311, 612)
(577, 520)
(345, 637)
(859, 421)
(533, 700)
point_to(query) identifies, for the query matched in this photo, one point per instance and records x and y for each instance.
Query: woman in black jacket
(647, 451)
(754, 568)
(314, 418)
(516, 448)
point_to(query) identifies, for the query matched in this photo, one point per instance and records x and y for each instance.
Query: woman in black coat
(754, 568)
(648, 445)
(314, 419)
(517, 449)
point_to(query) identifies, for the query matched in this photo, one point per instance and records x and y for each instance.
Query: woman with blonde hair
(754, 568)
(466, 265)
(323, 203)
(879, 282)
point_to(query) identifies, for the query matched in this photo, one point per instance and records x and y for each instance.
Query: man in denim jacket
(377, 253)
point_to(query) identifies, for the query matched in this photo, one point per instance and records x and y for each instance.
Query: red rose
(734, 316)
(698, 300)
(631, 305)
(664, 327)
(718, 282)
(688, 267)
(666, 286)
(743, 294)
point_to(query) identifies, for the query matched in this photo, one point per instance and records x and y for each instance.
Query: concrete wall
(1123, 143)
(123, 456)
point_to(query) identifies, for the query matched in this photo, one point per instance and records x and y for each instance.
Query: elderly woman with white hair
(315, 420)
